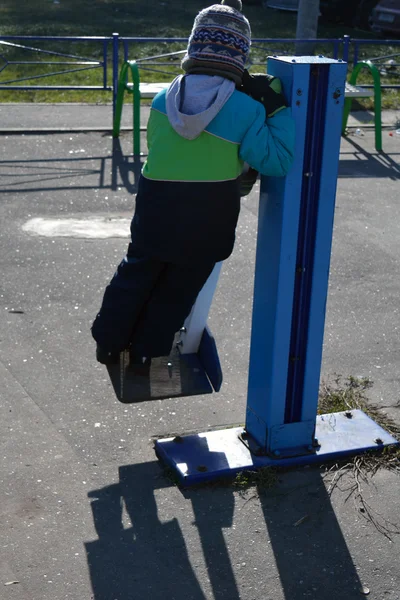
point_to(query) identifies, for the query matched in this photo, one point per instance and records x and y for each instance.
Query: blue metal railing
(268, 45)
(255, 44)
(346, 48)
(82, 63)
(357, 45)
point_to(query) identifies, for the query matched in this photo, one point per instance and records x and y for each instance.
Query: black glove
(247, 180)
(266, 89)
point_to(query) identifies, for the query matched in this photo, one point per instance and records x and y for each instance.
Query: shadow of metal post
(367, 164)
(122, 169)
(309, 548)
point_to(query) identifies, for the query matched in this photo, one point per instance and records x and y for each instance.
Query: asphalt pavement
(86, 512)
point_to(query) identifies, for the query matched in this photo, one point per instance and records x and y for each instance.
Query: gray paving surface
(85, 511)
(17, 116)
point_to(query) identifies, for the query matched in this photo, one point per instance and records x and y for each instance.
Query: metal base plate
(211, 455)
(168, 377)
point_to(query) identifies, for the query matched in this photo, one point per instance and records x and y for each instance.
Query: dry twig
(348, 395)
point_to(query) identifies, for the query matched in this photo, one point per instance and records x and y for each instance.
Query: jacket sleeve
(268, 145)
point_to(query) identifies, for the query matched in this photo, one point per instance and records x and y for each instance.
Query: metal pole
(377, 98)
(115, 61)
(105, 49)
(119, 102)
(346, 47)
(136, 107)
(356, 49)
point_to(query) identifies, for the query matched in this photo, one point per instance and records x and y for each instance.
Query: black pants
(146, 303)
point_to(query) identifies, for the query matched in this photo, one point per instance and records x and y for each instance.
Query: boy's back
(200, 132)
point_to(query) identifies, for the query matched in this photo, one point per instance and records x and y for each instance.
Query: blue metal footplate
(170, 376)
(203, 457)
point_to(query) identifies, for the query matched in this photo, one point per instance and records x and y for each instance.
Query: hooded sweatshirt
(200, 132)
(192, 102)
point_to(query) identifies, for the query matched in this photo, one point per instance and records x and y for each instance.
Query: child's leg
(124, 299)
(170, 303)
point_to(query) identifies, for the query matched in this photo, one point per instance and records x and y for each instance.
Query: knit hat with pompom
(220, 42)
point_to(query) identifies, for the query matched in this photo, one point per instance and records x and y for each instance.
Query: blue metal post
(356, 50)
(346, 48)
(290, 292)
(325, 165)
(115, 66)
(279, 214)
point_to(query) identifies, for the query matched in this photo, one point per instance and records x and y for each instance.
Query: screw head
(202, 468)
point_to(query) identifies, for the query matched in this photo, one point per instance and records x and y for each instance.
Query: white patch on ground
(88, 227)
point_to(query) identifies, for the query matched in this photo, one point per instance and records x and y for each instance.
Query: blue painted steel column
(279, 214)
(289, 297)
(325, 177)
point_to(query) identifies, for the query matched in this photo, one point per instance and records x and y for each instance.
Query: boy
(201, 131)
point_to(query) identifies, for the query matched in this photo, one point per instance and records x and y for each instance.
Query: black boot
(105, 357)
(139, 365)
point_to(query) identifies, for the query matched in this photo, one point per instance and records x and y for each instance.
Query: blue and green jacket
(188, 199)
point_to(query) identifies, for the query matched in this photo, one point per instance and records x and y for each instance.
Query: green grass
(168, 18)
(340, 395)
(264, 479)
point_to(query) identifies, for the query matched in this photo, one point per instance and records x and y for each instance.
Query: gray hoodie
(194, 100)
